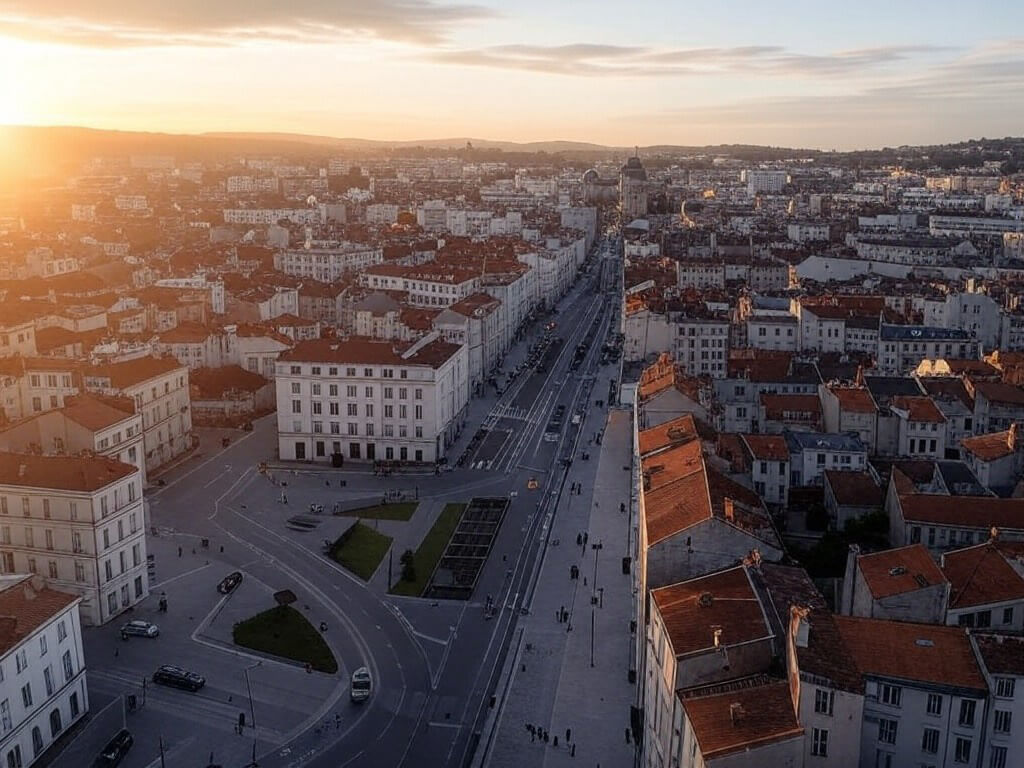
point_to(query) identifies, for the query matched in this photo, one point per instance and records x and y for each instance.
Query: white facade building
(42, 668)
(77, 521)
(371, 401)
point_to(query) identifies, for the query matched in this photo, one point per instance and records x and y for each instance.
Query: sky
(788, 73)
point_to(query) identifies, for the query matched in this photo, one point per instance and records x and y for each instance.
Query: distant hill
(454, 143)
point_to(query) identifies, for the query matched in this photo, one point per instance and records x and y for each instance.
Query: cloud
(980, 92)
(116, 24)
(636, 61)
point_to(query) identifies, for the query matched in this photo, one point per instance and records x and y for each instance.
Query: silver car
(140, 628)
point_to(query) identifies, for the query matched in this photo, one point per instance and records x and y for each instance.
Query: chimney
(736, 713)
(993, 534)
(799, 625)
(1011, 437)
(730, 510)
(718, 637)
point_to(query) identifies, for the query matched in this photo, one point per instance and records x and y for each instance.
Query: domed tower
(633, 188)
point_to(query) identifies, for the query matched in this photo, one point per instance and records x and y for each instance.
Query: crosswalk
(209, 707)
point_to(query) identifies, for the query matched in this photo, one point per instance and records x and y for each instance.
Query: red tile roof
(476, 305)
(678, 430)
(726, 600)
(95, 413)
(25, 606)
(131, 372)
(995, 445)
(366, 352)
(767, 718)
(767, 447)
(186, 333)
(998, 392)
(216, 382)
(980, 575)
(855, 399)
(898, 571)
(776, 406)
(964, 511)
(918, 408)
(1001, 654)
(855, 489)
(65, 473)
(900, 650)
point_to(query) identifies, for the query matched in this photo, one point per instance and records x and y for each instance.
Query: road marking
(179, 576)
(159, 760)
(454, 726)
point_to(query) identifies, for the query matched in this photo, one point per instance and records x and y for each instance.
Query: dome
(591, 176)
(634, 169)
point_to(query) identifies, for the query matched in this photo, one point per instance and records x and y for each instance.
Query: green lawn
(402, 510)
(283, 631)
(430, 551)
(360, 549)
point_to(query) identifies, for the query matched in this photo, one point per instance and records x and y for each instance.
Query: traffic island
(360, 550)
(283, 631)
(418, 566)
(400, 510)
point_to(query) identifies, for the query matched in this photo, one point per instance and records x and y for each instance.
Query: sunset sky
(640, 72)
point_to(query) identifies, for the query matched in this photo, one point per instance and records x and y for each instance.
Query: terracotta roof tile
(216, 382)
(678, 430)
(901, 650)
(995, 445)
(132, 372)
(898, 571)
(918, 408)
(367, 352)
(855, 399)
(966, 511)
(65, 473)
(857, 489)
(776, 406)
(767, 718)
(665, 467)
(726, 600)
(998, 392)
(95, 412)
(1001, 654)
(25, 606)
(767, 447)
(980, 575)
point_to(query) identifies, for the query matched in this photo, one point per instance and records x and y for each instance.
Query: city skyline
(802, 77)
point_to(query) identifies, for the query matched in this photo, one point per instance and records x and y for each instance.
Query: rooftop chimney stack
(736, 713)
(730, 510)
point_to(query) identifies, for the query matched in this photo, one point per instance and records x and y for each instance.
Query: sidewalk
(574, 675)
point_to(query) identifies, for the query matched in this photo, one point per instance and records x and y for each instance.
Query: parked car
(362, 684)
(176, 677)
(139, 628)
(116, 749)
(229, 582)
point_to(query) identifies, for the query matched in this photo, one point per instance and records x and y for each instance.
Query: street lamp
(248, 687)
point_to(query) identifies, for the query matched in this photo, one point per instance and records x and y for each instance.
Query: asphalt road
(429, 696)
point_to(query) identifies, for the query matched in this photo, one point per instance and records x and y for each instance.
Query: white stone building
(77, 521)
(370, 400)
(42, 666)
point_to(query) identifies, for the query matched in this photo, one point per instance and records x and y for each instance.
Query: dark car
(176, 677)
(229, 582)
(116, 749)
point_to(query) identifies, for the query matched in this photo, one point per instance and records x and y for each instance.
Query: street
(434, 664)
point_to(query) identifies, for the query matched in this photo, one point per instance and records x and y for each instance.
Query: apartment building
(160, 391)
(371, 400)
(326, 265)
(901, 348)
(78, 522)
(925, 696)
(36, 384)
(106, 426)
(428, 285)
(42, 666)
(1001, 658)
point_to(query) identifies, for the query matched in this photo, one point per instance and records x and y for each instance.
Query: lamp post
(248, 687)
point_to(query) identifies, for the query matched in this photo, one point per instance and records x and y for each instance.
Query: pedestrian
(572, 752)
(579, 539)
(337, 721)
(568, 735)
(627, 735)
(179, 551)
(547, 737)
